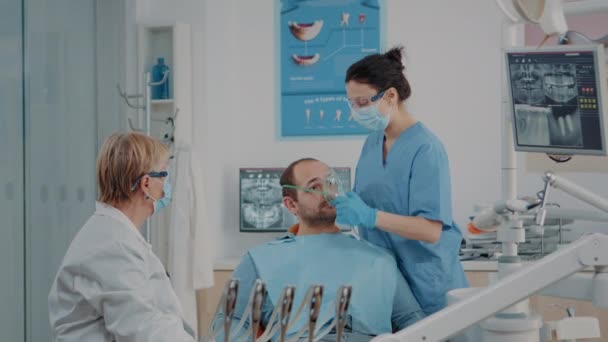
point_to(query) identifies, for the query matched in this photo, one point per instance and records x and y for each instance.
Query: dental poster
(318, 41)
(261, 199)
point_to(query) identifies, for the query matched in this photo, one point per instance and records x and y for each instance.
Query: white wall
(240, 73)
(453, 62)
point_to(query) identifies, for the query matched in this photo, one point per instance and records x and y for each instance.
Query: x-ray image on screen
(527, 80)
(565, 127)
(557, 97)
(548, 126)
(543, 84)
(532, 125)
(545, 107)
(261, 199)
(559, 83)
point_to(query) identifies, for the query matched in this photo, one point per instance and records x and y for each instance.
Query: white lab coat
(111, 287)
(190, 254)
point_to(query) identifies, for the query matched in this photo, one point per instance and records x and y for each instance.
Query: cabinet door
(12, 325)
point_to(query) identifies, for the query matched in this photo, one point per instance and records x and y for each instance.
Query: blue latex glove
(351, 210)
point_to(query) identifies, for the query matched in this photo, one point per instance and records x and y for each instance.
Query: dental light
(549, 14)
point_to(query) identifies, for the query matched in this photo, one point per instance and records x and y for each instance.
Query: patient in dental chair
(316, 251)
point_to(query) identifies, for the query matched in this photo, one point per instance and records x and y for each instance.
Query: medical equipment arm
(314, 311)
(343, 298)
(256, 308)
(575, 190)
(285, 313)
(246, 273)
(229, 305)
(590, 250)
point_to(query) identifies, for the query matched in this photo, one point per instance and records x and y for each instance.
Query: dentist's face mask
(159, 203)
(365, 112)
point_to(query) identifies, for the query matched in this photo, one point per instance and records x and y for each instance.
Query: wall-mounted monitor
(558, 98)
(261, 200)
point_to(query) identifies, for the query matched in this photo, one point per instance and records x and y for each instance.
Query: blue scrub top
(414, 180)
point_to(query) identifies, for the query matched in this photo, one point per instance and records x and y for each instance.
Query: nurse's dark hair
(289, 178)
(382, 71)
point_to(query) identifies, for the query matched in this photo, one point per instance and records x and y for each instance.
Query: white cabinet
(172, 42)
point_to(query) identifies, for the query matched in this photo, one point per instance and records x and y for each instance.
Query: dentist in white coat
(110, 285)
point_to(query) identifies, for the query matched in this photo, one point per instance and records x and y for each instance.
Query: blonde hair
(122, 160)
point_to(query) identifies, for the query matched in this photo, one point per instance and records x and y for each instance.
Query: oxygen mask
(333, 186)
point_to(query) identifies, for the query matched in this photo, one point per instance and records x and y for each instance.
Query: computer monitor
(558, 98)
(261, 199)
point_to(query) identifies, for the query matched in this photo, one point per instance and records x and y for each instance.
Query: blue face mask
(163, 202)
(369, 117)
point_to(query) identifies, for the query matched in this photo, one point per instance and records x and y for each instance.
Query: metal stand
(279, 322)
(147, 118)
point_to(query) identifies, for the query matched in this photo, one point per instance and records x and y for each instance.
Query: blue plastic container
(160, 92)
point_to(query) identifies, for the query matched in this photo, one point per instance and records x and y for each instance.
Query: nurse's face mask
(159, 203)
(365, 112)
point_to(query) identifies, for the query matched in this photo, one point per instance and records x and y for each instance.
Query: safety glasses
(364, 101)
(153, 174)
(331, 188)
(309, 190)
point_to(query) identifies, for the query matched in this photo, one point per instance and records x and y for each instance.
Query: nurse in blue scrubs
(402, 194)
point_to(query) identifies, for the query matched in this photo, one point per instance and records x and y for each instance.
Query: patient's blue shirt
(381, 300)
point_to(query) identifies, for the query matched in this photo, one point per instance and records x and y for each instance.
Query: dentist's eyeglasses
(153, 174)
(364, 101)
